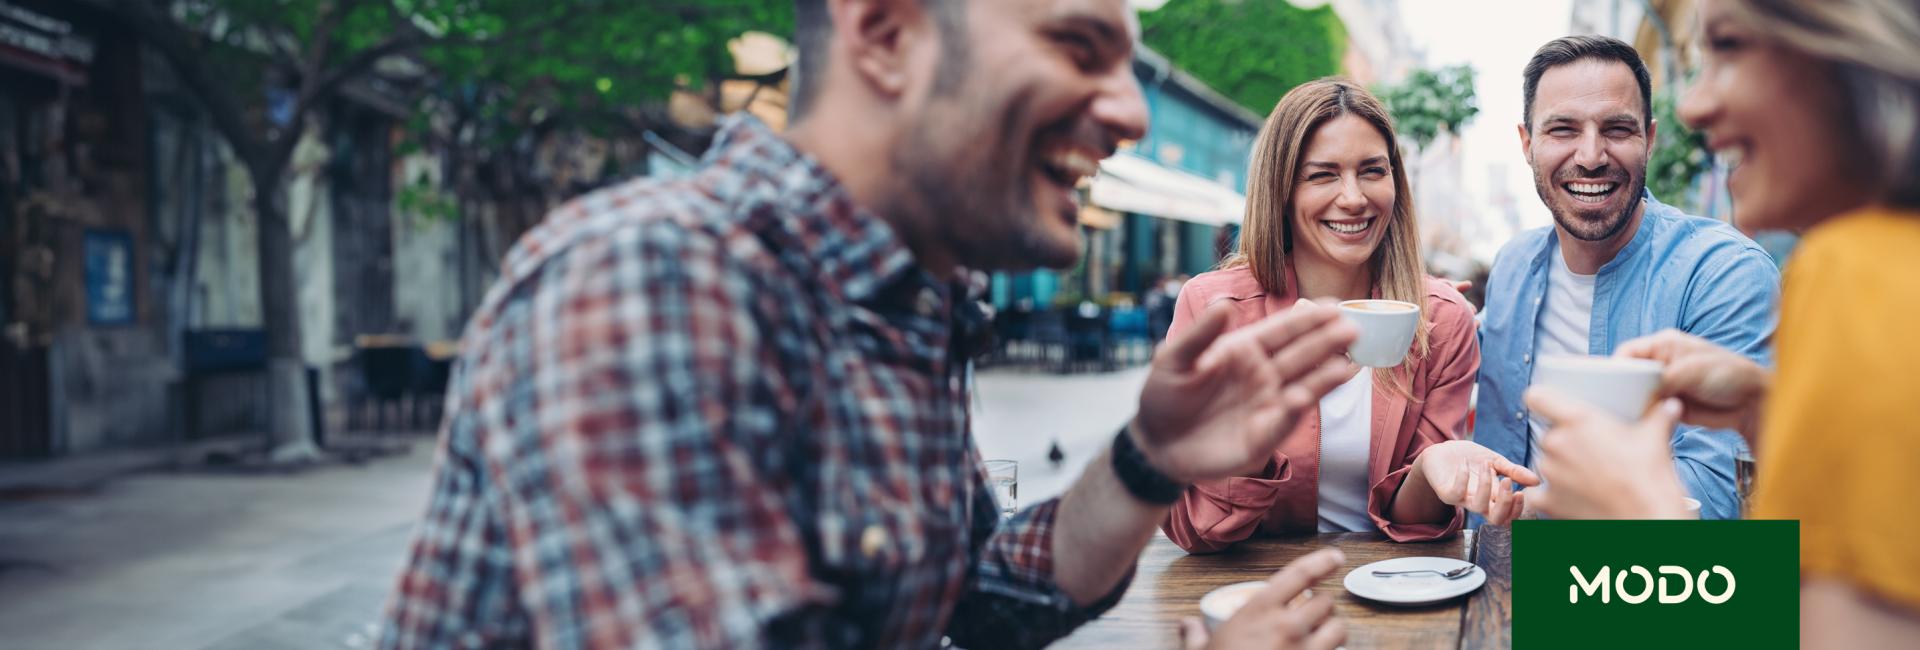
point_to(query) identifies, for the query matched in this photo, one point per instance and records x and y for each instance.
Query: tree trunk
(289, 432)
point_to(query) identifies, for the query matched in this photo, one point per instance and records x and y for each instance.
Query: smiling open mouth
(1591, 192)
(1066, 166)
(1348, 227)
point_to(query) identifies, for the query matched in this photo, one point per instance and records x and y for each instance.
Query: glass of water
(1005, 477)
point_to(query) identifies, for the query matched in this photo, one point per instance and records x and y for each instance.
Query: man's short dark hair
(813, 27)
(1569, 49)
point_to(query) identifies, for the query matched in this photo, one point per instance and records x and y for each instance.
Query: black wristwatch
(1142, 480)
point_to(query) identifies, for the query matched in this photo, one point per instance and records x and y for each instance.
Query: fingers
(1645, 347)
(1182, 349)
(1539, 498)
(1721, 379)
(1301, 620)
(1512, 507)
(1558, 408)
(1314, 349)
(1659, 346)
(1476, 496)
(1499, 503)
(1460, 476)
(1525, 509)
(1300, 321)
(1329, 636)
(1193, 633)
(1515, 471)
(1661, 419)
(1703, 380)
(1294, 578)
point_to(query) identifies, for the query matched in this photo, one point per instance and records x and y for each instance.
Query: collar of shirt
(860, 254)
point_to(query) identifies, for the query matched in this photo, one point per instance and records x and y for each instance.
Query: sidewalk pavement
(130, 551)
(1019, 415)
(216, 560)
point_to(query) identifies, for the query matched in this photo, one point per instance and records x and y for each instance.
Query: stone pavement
(1019, 415)
(213, 559)
(209, 559)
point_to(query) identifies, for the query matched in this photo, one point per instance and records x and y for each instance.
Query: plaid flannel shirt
(722, 411)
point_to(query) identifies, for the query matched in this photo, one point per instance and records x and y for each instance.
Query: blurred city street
(221, 559)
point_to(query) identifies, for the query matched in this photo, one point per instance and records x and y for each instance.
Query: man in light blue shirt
(1616, 265)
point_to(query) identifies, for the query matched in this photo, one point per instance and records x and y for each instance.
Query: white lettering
(1581, 584)
(1621, 586)
(1607, 582)
(1686, 584)
(1721, 597)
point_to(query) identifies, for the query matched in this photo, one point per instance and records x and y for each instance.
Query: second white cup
(1386, 331)
(1621, 387)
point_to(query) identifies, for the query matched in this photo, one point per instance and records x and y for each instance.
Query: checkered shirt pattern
(724, 411)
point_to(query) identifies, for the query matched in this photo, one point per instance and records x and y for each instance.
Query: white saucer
(1417, 589)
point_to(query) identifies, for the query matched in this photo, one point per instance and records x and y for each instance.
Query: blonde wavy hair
(1266, 231)
(1874, 46)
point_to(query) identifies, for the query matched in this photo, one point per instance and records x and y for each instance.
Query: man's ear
(1526, 142)
(878, 37)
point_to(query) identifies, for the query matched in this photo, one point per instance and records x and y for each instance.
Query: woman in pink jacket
(1329, 216)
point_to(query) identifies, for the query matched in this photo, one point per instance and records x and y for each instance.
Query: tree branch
(321, 42)
(221, 103)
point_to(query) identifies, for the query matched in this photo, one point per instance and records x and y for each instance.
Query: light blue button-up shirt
(1689, 273)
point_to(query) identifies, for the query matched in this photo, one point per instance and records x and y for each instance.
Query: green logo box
(1749, 597)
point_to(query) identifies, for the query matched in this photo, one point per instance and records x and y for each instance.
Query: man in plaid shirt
(732, 410)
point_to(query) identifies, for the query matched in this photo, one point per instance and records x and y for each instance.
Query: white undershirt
(1563, 328)
(1346, 441)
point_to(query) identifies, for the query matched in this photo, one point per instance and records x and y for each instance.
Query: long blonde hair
(1875, 48)
(1266, 232)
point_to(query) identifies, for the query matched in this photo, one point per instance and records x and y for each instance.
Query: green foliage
(421, 199)
(1430, 102)
(502, 58)
(1251, 51)
(602, 60)
(603, 53)
(1679, 154)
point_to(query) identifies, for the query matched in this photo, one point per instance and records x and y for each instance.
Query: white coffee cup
(1220, 604)
(1621, 387)
(1386, 331)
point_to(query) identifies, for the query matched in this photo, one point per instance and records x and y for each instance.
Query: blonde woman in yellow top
(1818, 102)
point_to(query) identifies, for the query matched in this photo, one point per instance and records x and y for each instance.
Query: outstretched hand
(1216, 402)
(1462, 473)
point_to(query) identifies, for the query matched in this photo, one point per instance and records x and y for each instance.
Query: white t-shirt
(1565, 322)
(1346, 442)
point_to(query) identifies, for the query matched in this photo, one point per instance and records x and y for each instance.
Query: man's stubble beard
(1573, 225)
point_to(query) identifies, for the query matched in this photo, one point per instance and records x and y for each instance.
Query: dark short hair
(1569, 49)
(813, 25)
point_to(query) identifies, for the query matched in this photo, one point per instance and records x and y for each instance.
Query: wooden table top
(1169, 583)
